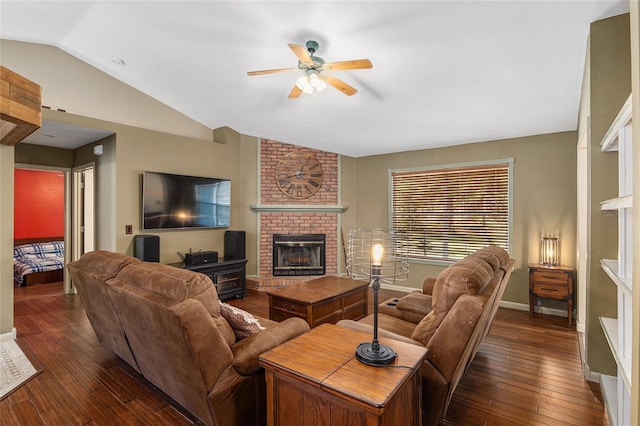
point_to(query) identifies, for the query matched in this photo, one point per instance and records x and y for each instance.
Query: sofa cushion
(488, 256)
(107, 263)
(500, 253)
(242, 322)
(179, 285)
(468, 276)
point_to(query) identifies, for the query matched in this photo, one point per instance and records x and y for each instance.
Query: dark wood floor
(527, 372)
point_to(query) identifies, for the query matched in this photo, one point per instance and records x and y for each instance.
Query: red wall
(38, 204)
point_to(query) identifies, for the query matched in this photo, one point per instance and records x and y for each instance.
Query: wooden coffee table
(315, 379)
(322, 300)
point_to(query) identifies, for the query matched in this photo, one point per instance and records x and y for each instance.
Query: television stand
(229, 276)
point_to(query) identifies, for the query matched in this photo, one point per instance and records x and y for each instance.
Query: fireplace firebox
(298, 254)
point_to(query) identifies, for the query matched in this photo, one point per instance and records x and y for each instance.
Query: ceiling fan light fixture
(303, 84)
(312, 67)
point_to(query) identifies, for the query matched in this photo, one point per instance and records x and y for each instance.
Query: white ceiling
(444, 72)
(61, 135)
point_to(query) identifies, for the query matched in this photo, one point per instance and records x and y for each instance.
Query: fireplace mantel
(317, 208)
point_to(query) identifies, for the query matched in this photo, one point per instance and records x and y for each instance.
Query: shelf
(610, 140)
(610, 328)
(298, 208)
(617, 203)
(608, 384)
(611, 267)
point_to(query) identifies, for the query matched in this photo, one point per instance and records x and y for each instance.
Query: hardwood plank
(526, 372)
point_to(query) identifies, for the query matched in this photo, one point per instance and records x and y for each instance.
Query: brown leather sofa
(166, 323)
(450, 317)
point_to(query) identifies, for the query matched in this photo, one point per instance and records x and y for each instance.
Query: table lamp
(376, 255)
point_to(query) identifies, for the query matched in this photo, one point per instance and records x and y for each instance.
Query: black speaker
(200, 258)
(234, 242)
(147, 247)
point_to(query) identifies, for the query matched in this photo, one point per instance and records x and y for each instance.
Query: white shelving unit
(617, 390)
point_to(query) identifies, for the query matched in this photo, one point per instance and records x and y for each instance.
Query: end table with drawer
(315, 379)
(552, 282)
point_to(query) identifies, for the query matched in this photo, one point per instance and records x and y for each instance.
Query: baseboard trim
(525, 307)
(590, 376)
(8, 336)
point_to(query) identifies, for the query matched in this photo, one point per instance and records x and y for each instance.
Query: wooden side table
(315, 379)
(553, 282)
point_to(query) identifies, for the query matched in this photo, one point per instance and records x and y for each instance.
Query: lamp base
(367, 354)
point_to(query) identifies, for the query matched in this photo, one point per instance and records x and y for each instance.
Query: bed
(38, 260)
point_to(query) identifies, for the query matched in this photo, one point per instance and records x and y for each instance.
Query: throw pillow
(242, 322)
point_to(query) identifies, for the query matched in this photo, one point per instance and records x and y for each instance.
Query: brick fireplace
(281, 214)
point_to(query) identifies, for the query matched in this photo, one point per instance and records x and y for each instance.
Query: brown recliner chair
(89, 277)
(182, 344)
(450, 318)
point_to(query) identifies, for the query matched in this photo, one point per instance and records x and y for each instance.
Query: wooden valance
(20, 110)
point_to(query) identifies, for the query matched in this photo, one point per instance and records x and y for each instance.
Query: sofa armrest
(247, 350)
(427, 285)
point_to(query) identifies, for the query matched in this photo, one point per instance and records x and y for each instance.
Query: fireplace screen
(298, 254)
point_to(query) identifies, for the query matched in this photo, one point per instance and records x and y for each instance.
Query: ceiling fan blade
(295, 92)
(355, 64)
(301, 53)
(339, 84)
(276, 71)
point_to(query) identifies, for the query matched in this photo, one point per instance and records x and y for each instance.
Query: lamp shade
(393, 261)
(549, 253)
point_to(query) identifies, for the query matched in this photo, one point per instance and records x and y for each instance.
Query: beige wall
(544, 202)
(43, 155)
(6, 241)
(609, 87)
(139, 150)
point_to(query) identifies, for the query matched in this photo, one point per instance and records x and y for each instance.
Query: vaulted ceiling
(444, 72)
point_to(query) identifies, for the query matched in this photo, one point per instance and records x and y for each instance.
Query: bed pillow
(242, 322)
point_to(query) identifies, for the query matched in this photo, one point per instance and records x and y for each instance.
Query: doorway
(48, 228)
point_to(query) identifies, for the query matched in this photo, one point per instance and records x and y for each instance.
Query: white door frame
(583, 226)
(82, 209)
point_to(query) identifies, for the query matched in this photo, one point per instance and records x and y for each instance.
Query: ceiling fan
(313, 67)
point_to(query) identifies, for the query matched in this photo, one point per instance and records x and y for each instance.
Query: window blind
(445, 214)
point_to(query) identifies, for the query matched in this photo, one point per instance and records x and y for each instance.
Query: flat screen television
(184, 202)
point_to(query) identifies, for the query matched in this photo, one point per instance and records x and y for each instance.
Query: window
(448, 212)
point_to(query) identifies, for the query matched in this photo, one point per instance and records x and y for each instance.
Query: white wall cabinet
(617, 390)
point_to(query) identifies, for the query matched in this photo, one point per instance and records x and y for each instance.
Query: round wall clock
(299, 175)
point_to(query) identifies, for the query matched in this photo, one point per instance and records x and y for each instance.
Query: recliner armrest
(247, 350)
(415, 302)
(427, 285)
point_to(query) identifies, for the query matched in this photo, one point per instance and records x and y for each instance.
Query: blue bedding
(37, 257)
